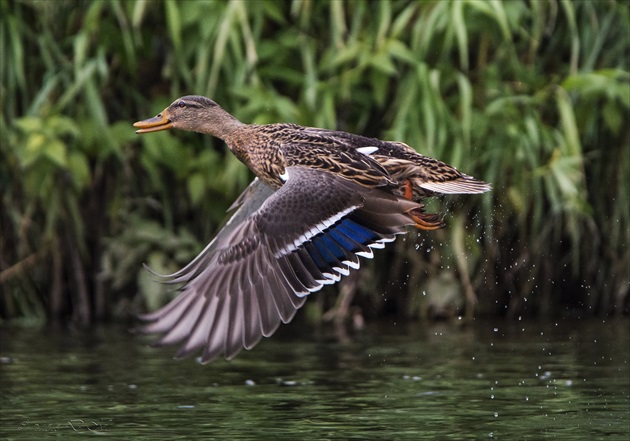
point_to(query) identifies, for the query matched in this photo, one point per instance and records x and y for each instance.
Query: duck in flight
(321, 200)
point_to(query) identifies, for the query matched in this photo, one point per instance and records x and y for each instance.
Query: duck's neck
(224, 126)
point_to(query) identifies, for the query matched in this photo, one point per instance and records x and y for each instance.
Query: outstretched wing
(258, 271)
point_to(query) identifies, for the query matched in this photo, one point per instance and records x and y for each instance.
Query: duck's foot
(426, 221)
(423, 220)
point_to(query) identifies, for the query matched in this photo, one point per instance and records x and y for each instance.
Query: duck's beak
(155, 124)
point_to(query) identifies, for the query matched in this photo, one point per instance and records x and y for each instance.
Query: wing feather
(276, 249)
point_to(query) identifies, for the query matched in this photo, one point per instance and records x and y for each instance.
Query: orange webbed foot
(424, 221)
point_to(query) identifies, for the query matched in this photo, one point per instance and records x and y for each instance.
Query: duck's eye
(181, 104)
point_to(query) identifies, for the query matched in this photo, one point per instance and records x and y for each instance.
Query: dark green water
(508, 381)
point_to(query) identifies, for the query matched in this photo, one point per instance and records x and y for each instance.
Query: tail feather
(465, 184)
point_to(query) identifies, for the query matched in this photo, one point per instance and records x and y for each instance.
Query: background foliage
(531, 96)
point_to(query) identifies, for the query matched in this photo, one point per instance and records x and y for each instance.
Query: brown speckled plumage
(323, 198)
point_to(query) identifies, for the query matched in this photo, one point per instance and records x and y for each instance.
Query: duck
(321, 201)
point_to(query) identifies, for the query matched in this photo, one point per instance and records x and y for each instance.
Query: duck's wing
(259, 271)
(355, 164)
(247, 203)
(386, 163)
(433, 175)
(250, 199)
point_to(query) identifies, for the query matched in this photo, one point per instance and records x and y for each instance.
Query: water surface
(502, 380)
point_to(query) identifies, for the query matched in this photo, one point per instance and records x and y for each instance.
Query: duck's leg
(408, 192)
(423, 220)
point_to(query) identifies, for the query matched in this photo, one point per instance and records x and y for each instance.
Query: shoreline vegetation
(533, 97)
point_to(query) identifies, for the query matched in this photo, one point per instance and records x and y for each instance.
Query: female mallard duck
(322, 199)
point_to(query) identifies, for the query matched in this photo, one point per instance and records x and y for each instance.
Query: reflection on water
(567, 380)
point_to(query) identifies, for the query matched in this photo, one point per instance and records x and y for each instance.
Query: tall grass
(531, 96)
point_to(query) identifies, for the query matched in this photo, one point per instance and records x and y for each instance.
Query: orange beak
(155, 124)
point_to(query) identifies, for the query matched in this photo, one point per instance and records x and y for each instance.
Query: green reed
(531, 96)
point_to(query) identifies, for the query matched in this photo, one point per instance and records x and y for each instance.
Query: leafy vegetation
(531, 96)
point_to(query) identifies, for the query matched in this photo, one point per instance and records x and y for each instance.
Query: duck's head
(193, 113)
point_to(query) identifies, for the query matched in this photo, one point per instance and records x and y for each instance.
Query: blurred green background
(532, 96)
